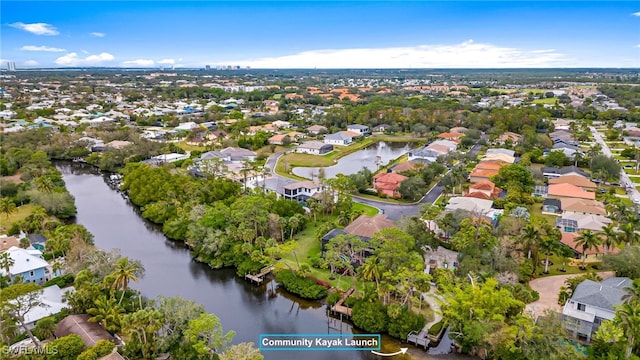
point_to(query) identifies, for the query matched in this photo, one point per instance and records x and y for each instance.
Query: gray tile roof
(605, 295)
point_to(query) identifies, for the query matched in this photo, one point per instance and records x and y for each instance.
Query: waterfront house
(338, 138)
(89, 332)
(301, 190)
(50, 303)
(314, 148)
(29, 265)
(359, 129)
(388, 183)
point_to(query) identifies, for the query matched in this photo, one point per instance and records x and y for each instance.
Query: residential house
(236, 154)
(363, 227)
(186, 126)
(363, 130)
(406, 166)
(568, 150)
(591, 304)
(455, 137)
(279, 139)
(508, 137)
(29, 265)
(576, 180)
(338, 138)
(366, 226)
(459, 130)
(51, 302)
(632, 131)
(574, 222)
(582, 206)
(381, 128)
(501, 157)
(470, 204)
(167, 158)
(552, 207)
(271, 106)
(38, 241)
(388, 183)
(431, 152)
(551, 172)
(314, 148)
(279, 124)
(117, 144)
(565, 190)
(90, 332)
(7, 242)
(485, 187)
(316, 129)
(508, 152)
(485, 169)
(301, 191)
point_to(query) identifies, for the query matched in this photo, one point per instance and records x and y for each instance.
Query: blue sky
(332, 34)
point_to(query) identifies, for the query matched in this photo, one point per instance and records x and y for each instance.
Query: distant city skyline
(333, 34)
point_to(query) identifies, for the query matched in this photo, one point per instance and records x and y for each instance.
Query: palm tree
(610, 237)
(125, 272)
(283, 222)
(530, 238)
(632, 296)
(629, 320)
(6, 262)
(550, 245)
(106, 312)
(294, 222)
(629, 234)
(587, 240)
(7, 206)
(371, 271)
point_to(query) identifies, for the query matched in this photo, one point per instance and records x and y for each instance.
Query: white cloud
(41, 48)
(72, 59)
(36, 28)
(167, 61)
(637, 13)
(30, 63)
(467, 54)
(84, 51)
(97, 34)
(139, 62)
(638, 46)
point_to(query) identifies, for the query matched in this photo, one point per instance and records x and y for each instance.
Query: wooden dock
(419, 339)
(259, 277)
(338, 308)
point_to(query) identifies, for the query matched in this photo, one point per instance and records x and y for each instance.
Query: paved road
(624, 177)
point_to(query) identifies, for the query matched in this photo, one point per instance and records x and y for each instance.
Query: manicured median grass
(549, 101)
(21, 213)
(366, 209)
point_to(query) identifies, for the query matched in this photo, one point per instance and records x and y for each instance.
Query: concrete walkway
(549, 290)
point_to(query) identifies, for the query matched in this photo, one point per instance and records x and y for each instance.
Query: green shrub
(404, 323)
(316, 261)
(103, 347)
(88, 354)
(333, 298)
(61, 281)
(301, 286)
(248, 266)
(370, 316)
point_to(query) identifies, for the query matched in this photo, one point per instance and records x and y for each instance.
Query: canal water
(247, 309)
(371, 157)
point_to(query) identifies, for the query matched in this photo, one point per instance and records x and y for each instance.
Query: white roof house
(480, 206)
(24, 261)
(51, 304)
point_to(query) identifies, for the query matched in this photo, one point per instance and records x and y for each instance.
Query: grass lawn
(556, 266)
(366, 209)
(21, 213)
(549, 101)
(631, 171)
(536, 210)
(184, 146)
(387, 200)
(635, 179)
(309, 246)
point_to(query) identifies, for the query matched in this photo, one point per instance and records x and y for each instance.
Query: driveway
(549, 290)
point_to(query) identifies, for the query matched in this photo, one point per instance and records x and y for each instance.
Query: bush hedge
(304, 287)
(61, 281)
